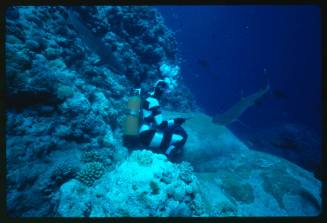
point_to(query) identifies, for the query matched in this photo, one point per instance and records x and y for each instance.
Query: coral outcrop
(146, 184)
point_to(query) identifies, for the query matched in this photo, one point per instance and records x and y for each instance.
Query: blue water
(69, 71)
(228, 51)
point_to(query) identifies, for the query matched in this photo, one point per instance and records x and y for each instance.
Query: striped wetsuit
(158, 134)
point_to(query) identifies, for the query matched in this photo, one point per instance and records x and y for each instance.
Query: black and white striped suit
(158, 134)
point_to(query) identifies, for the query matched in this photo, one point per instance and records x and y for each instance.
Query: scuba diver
(162, 136)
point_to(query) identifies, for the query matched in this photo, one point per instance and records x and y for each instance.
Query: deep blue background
(228, 50)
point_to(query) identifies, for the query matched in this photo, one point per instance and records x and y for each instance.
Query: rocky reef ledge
(220, 176)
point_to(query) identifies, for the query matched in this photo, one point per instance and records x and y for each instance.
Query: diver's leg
(145, 137)
(175, 151)
(181, 131)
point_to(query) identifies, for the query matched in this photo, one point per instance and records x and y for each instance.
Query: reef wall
(69, 71)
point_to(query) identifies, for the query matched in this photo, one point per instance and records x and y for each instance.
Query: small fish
(280, 94)
(203, 63)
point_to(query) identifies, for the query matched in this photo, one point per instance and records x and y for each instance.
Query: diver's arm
(171, 123)
(156, 118)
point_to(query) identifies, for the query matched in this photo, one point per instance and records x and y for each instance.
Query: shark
(233, 113)
(95, 43)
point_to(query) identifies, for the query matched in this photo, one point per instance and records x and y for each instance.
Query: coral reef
(91, 156)
(63, 172)
(66, 92)
(92, 172)
(136, 188)
(136, 36)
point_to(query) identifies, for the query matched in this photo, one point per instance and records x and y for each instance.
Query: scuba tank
(132, 121)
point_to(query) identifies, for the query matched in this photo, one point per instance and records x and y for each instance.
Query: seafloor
(69, 71)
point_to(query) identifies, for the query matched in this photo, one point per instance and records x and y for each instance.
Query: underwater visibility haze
(163, 111)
